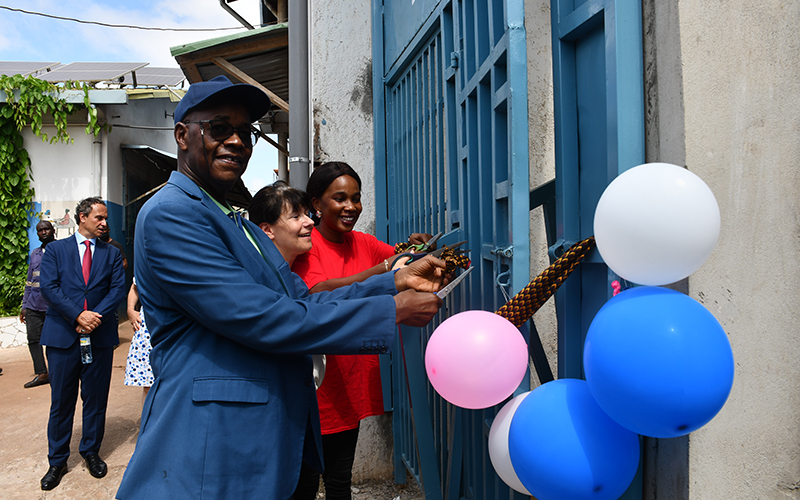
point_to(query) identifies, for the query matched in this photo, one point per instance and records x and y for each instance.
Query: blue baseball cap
(220, 89)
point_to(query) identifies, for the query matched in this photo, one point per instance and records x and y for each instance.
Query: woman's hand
(420, 238)
(135, 319)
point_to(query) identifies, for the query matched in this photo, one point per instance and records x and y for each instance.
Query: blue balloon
(563, 447)
(658, 362)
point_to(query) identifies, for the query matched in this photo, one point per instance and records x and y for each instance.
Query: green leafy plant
(11, 290)
(29, 101)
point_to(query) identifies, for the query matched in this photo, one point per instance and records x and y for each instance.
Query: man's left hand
(424, 275)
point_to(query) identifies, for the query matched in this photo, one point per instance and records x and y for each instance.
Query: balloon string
(619, 287)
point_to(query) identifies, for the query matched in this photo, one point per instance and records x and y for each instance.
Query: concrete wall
(343, 131)
(342, 92)
(723, 88)
(541, 154)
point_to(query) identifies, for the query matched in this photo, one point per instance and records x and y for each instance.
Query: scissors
(418, 255)
(423, 247)
(444, 292)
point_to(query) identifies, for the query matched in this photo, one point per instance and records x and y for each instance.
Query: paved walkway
(23, 435)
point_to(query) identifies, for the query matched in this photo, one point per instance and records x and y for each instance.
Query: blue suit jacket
(62, 286)
(232, 332)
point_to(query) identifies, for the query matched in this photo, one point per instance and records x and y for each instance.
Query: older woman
(282, 212)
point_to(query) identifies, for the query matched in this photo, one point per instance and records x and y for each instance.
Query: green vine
(29, 101)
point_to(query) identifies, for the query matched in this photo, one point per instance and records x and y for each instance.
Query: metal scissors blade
(423, 247)
(440, 251)
(413, 257)
(444, 292)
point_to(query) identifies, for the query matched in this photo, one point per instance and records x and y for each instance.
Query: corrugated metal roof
(187, 48)
(262, 53)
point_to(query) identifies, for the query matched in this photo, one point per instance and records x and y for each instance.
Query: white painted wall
(63, 174)
(62, 171)
(343, 125)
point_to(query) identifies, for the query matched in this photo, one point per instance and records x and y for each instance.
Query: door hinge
(507, 252)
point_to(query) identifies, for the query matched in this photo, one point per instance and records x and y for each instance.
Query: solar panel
(151, 76)
(24, 68)
(91, 72)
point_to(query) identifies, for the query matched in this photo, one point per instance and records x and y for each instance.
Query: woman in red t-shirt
(351, 390)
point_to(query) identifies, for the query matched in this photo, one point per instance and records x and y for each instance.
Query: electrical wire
(107, 25)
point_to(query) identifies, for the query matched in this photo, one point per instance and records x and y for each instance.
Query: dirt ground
(23, 437)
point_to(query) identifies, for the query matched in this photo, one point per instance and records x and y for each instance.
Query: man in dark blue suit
(233, 413)
(83, 281)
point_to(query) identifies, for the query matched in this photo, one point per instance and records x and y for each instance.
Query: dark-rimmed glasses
(221, 130)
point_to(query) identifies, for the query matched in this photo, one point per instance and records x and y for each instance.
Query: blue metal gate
(599, 119)
(451, 155)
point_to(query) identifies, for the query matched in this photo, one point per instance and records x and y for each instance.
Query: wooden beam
(193, 73)
(277, 146)
(244, 77)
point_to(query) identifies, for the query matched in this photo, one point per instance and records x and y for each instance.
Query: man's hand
(424, 275)
(22, 316)
(135, 319)
(416, 308)
(88, 321)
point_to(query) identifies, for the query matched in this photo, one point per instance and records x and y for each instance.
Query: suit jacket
(62, 286)
(232, 330)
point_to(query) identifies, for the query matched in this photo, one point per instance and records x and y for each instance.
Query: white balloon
(656, 223)
(498, 444)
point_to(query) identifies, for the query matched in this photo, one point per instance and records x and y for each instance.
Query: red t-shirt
(351, 389)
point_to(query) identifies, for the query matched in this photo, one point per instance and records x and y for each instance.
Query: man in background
(106, 236)
(34, 306)
(83, 281)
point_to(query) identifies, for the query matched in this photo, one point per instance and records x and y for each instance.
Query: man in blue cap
(233, 411)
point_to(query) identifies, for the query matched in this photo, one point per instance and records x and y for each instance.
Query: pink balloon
(475, 359)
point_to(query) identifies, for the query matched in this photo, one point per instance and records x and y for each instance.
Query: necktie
(236, 217)
(87, 266)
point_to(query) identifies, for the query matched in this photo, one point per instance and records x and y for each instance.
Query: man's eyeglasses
(221, 130)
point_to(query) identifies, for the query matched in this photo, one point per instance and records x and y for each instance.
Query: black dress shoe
(96, 466)
(53, 476)
(39, 379)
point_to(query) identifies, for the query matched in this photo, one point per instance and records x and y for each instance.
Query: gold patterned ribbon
(452, 257)
(523, 305)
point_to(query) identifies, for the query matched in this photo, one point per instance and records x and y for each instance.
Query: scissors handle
(411, 258)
